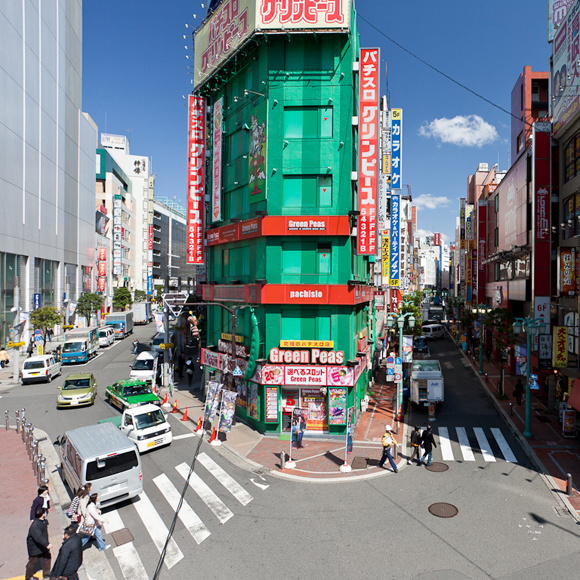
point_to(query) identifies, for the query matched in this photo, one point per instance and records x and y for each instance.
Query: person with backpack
(388, 441)
(416, 445)
(428, 442)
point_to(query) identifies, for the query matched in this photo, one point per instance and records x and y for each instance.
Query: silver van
(101, 455)
(106, 336)
(433, 331)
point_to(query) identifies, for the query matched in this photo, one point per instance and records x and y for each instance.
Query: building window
(496, 203)
(520, 141)
(307, 122)
(496, 237)
(307, 191)
(572, 157)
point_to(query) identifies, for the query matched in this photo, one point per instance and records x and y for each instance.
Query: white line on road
(213, 502)
(503, 445)
(186, 514)
(483, 444)
(225, 479)
(464, 444)
(445, 444)
(184, 436)
(157, 530)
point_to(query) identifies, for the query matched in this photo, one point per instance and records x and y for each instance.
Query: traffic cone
(165, 400)
(174, 410)
(212, 438)
(199, 426)
(184, 418)
(154, 389)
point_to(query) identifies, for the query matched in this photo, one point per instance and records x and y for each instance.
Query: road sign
(390, 360)
(237, 372)
(534, 386)
(397, 377)
(398, 361)
(38, 332)
(534, 377)
(390, 371)
(37, 338)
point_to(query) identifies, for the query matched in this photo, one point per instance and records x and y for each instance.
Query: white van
(40, 368)
(103, 456)
(106, 336)
(147, 367)
(433, 331)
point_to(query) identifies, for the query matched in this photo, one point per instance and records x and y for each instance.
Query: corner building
(281, 220)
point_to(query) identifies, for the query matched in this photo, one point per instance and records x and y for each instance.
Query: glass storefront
(9, 278)
(45, 277)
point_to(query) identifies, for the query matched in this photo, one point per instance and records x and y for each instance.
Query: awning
(574, 400)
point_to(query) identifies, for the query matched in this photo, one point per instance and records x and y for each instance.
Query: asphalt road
(506, 528)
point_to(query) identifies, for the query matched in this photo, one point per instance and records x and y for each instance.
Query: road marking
(187, 516)
(157, 530)
(213, 502)
(184, 436)
(484, 444)
(464, 444)
(503, 445)
(225, 479)
(445, 444)
(126, 554)
(260, 485)
(448, 364)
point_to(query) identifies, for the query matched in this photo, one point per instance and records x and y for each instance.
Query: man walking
(519, 391)
(70, 556)
(388, 441)
(301, 430)
(428, 442)
(135, 346)
(415, 444)
(38, 545)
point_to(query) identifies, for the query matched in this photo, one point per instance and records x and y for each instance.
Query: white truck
(427, 385)
(142, 313)
(146, 426)
(122, 323)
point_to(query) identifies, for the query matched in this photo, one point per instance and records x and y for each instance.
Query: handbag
(86, 529)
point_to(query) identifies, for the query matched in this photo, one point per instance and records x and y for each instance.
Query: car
(147, 366)
(130, 393)
(40, 368)
(160, 339)
(77, 390)
(106, 336)
(420, 344)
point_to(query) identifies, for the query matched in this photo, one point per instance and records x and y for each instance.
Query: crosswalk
(454, 445)
(169, 487)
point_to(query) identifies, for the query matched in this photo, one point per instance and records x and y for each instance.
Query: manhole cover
(443, 510)
(123, 536)
(437, 467)
(360, 462)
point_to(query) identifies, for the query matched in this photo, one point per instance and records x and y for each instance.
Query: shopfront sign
(337, 406)
(216, 173)
(314, 356)
(560, 347)
(195, 179)
(306, 344)
(340, 376)
(226, 346)
(304, 375)
(396, 148)
(567, 267)
(394, 270)
(271, 404)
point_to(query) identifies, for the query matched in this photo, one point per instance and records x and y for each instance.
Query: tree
(411, 307)
(140, 296)
(122, 298)
(159, 291)
(89, 304)
(501, 320)
(45, 318)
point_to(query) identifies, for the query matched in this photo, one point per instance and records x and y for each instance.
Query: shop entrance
(312, 399)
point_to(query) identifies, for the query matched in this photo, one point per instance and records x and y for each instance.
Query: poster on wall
(337, 406)
(242, 389)
(271, 404)
(407, 349)
(257, 155)
(212, 400)
(253, 401)
(567, 271)
(316, 404)
(227, 411)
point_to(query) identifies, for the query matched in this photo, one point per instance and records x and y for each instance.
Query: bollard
(17, 413)
(7, 417)
(34, 455)
(42, 470)
(23, 416)
(282, 460)
(569, 486)
(28, 439)
(511, 408)
(23, 430)
(37, 470)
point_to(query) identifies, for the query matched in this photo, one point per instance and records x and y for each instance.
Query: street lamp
(530, 326)
(482, 308)
(400, 320)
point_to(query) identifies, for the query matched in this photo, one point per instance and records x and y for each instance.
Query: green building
(281, 220)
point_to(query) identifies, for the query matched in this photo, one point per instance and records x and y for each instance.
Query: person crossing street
(388, 441)
(428, 442)
(416, 445)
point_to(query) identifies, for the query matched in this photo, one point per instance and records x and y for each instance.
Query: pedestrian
(30, 348)
(42, 500)
(91, 524)
(519, 391)
(488, 354)
(416, 445)
(49, 334)
(38, 545)
(73, 511)
(4, 358)
(294, 430)
(70, 556)
(189, 370)
(388, 441)
(428, 442)
(349, 439)
(135, 346)
(301, 430)
(85, 497)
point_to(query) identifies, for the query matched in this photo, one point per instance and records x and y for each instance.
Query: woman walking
(92, 522)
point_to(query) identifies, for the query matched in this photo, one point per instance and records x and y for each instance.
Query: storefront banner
(560, 347)
(212, 401)
(397, 148)
(340, 376)
(386, 255)
(257, 156)
(468, 222)
(407, 349)
(544, 351)
(271, 404)
(216, 182)
(337, 406)
(272, 375)
(227, 411)
(242, 392)
(253, 401)
(304, 375)
(102, 254)
(567, 274)
(394, 270)
(195, 179)
(316, 404)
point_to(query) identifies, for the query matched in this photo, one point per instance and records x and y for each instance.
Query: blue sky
(135, 73)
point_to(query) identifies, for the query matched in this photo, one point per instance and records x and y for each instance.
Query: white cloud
(429, 201)
(469, 131)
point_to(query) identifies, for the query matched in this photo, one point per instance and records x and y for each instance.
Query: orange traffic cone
(184, 418)
(212, 438)
(154, 389)
(199, 426)
(165, 400)
(174, 410)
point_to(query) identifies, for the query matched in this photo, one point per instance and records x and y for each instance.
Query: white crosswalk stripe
(503, 445)
(484, 444)
(188, 517)
(464, 444)
(226, 480)
(446, 444)
(213, 502)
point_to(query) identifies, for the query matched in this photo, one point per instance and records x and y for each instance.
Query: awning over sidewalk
(574, 400)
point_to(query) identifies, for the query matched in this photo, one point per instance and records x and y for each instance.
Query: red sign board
(368, 154)
(481, 249)
(102, 284)
(102, 268)
(102, 254)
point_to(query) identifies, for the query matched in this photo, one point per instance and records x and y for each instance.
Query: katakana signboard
(394, 269)
(397, 148)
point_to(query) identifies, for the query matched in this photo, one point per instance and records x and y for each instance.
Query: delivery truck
(427, 385)
(80, 345)
(122, 323)
(142, 313)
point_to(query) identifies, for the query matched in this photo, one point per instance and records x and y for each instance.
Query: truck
(142, 313)
(146, 426)
(427, 385)
(122, 322)
(80, 344)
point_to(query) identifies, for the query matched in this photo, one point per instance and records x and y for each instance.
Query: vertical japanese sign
(414, 217)
(394, 269)
(436, 239)
(368, 157)
(468, 297)
(102, 270)
(469, 222)
(257, 156)
(481, 249)
(462, 222)
(150, 194)
(386, 256)
(567, 271)
(118, 235)
(216, 183)
(195, 179)
(560, 347)
(397, 148)
(384, 175)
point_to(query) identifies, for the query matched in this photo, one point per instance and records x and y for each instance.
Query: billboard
(368, 154)
(462, 222)
(235, 21)
(397, 148)
(257, 156)
(481, 249)
(195, 179)
(436, 239)
(386, 256)
(216, 172)
(384, 174)
(394, 267)
(567, 271)
(469, 222)
(556, 12)
(118, 235)
(512, 215)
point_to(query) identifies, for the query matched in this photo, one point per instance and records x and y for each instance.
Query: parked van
(103, 456)
(160, 339)
(433, 331)
(147, 367)
(40, 368)
(106, 336)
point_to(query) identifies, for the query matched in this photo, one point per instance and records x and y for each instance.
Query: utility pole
(166, 374)
(16, 356)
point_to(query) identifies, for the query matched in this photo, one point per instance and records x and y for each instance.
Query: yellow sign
(40, 350)
(15, 344)
(167, 346)
(363, 333)
(560, 347)
(307, 344)
(386, 255)
(228, 337)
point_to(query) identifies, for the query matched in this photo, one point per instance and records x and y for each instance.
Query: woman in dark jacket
(41, 500)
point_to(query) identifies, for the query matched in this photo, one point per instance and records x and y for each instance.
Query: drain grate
(562, 512)
(443, 510)
(123, 536)
(437, 467)
(360, 463)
